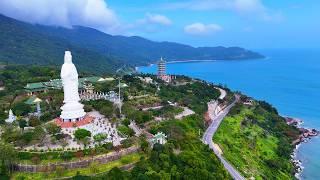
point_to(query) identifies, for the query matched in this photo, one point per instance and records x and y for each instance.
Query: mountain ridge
(96, 51)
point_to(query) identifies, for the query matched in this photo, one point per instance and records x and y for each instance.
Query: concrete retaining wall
(102, 159)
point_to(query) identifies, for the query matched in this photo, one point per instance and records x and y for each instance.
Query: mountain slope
(96, 51)
(137, 50)
(21, 43)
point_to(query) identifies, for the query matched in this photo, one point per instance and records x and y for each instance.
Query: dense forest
(21, 43)
(95, 51)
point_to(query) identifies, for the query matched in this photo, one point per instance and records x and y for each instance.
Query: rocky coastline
(296, 162)
(305, 135)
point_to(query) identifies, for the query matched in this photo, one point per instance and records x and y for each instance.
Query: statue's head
(67, 57)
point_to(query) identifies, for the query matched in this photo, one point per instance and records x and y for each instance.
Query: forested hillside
(257, 140)
(21, 43)
(95, 51)
(138, 50)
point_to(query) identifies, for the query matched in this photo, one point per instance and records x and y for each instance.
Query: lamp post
(120, 72)
(119, 100)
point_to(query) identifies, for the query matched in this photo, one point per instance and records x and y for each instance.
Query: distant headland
(108, 52)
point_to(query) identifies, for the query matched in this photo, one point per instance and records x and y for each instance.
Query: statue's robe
(72, 109)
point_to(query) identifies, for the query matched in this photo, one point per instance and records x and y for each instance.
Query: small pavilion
(34, 100)
(159, 138)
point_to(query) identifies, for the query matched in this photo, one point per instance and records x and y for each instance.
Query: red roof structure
(86, 120)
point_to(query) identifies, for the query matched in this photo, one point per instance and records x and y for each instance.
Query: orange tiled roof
(84, 121)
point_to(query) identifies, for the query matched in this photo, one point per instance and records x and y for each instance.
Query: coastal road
(208, 135)
(223, 93)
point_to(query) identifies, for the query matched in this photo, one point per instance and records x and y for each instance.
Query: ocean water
(288, 79)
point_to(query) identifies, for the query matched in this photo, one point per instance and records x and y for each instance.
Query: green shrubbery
(167, 112)
(258, 141)
(137, 115)
(183, 157)
(21, 109)
(8, 156)
(60, 154)
(195, 95)
(104, 107)
(125, 130)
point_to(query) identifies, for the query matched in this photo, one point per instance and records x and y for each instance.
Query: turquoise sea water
(288, 79)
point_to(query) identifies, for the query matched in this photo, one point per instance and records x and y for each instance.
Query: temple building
(88, 88)
(34, 88)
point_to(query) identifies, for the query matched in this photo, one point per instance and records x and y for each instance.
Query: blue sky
(289, 23)
(254, 24)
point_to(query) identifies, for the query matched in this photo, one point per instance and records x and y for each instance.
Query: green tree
(125, 130)
(10, 134)
(26, 138)
(80, 134)
(127, 142)
(85, 141)
(8, 156)
(99, 137)
(3, 116)
(144, 144)
(22, 124)
(83, 136)
(53, 129)
(34, 121)
(115, 174)
(21, 109)
(107, 111)
(108, 146)
(39, 133)
(46, 117)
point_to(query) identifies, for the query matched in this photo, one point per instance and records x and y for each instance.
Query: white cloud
(155, 19)
(248, 8)
(92, 13)
(158, 19)
(150, 23)
(202, 29)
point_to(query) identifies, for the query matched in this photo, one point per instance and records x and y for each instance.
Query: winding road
(208, 135)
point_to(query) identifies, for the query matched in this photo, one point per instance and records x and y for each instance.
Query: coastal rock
(293, 121)
(304, 132)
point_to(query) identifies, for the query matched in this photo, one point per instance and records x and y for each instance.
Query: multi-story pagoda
(162, 71)
(161, 68)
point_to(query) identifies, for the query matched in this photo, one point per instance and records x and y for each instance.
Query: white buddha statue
(72, 110)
